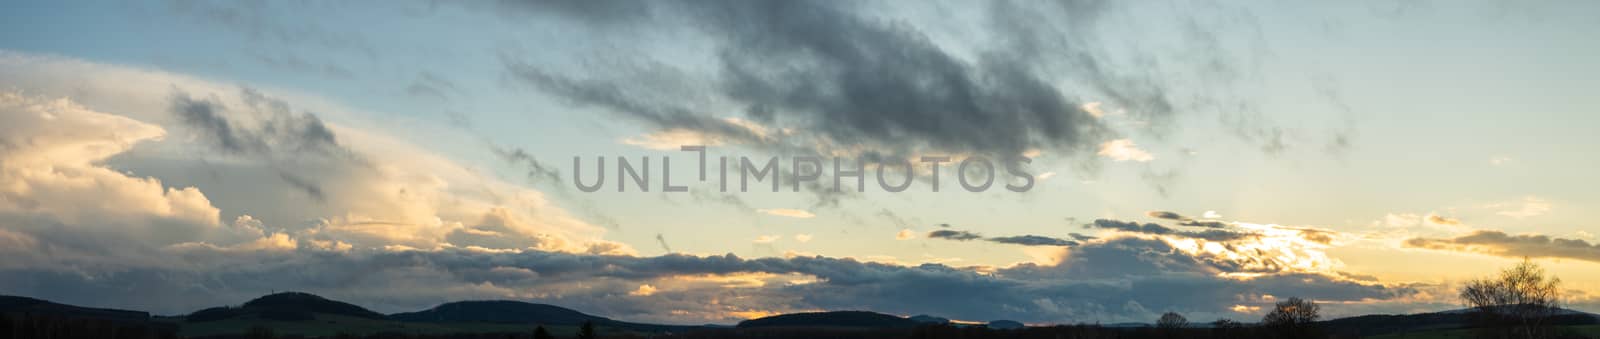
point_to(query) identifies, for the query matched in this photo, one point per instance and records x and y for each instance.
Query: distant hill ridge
(286, 306)
(1375, 324)
(831, 319)
(37, 306)
(499, 311)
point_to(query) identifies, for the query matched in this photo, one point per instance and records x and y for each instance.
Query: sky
(1208, 158)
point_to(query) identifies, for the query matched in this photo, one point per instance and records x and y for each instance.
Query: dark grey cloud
(537, 171)
(277, 129)
(1152, 228)
(298, 146)
(1164, 215)
(206, 116)
(1499, 243)
(1033, 240)
(850, 78)
(954, 235)
(1203, 223)
(1129, 226)
(630, 99)
(866, 81)
(1186, 221)
(311, 189)
(1024, 240)
(662, 240)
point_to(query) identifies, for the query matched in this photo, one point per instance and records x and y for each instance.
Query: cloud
(1164, 215)
(1024, 240)
(276, 130)
(905, 234)
(1186, 221)
(953, 235)
(767, 239)
(662, 240)
(537, 171)
(1093, 108)
(1203, 223)
(1033, 240)
(274, 134)
(643, 291)
(913, 79)
(269, 154)
(1124, 150)
(1499, 243)
(1442, 220)
(802, 238)
(1155, 229)
(54, 185)
(787, 212)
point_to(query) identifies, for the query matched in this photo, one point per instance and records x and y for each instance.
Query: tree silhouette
(540, 333)
(1172, 320)
(586, 331)
(1515, 304)
(1293, 318)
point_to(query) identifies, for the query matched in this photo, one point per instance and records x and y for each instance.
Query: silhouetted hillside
(1005, 325)
(517, 312)
(13, 304)
(499, 311)
(928, 319)
(287, 306)
(1377, 324)
(22, 317)
(831, 319)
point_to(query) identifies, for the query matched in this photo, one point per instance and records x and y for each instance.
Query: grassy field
(330, 325)
(1591, 331)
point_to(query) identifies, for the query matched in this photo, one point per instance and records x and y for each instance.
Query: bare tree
(1294, 318)
(1172, 320)
(1517, 303)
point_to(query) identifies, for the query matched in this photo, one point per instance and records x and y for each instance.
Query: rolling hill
(862, 319)
(287, 306)
(499, 311)
(517, 312)
(14, 304)
(1379, 324)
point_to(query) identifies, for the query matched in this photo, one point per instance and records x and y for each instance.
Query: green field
(1591, 331)
(330, 325)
